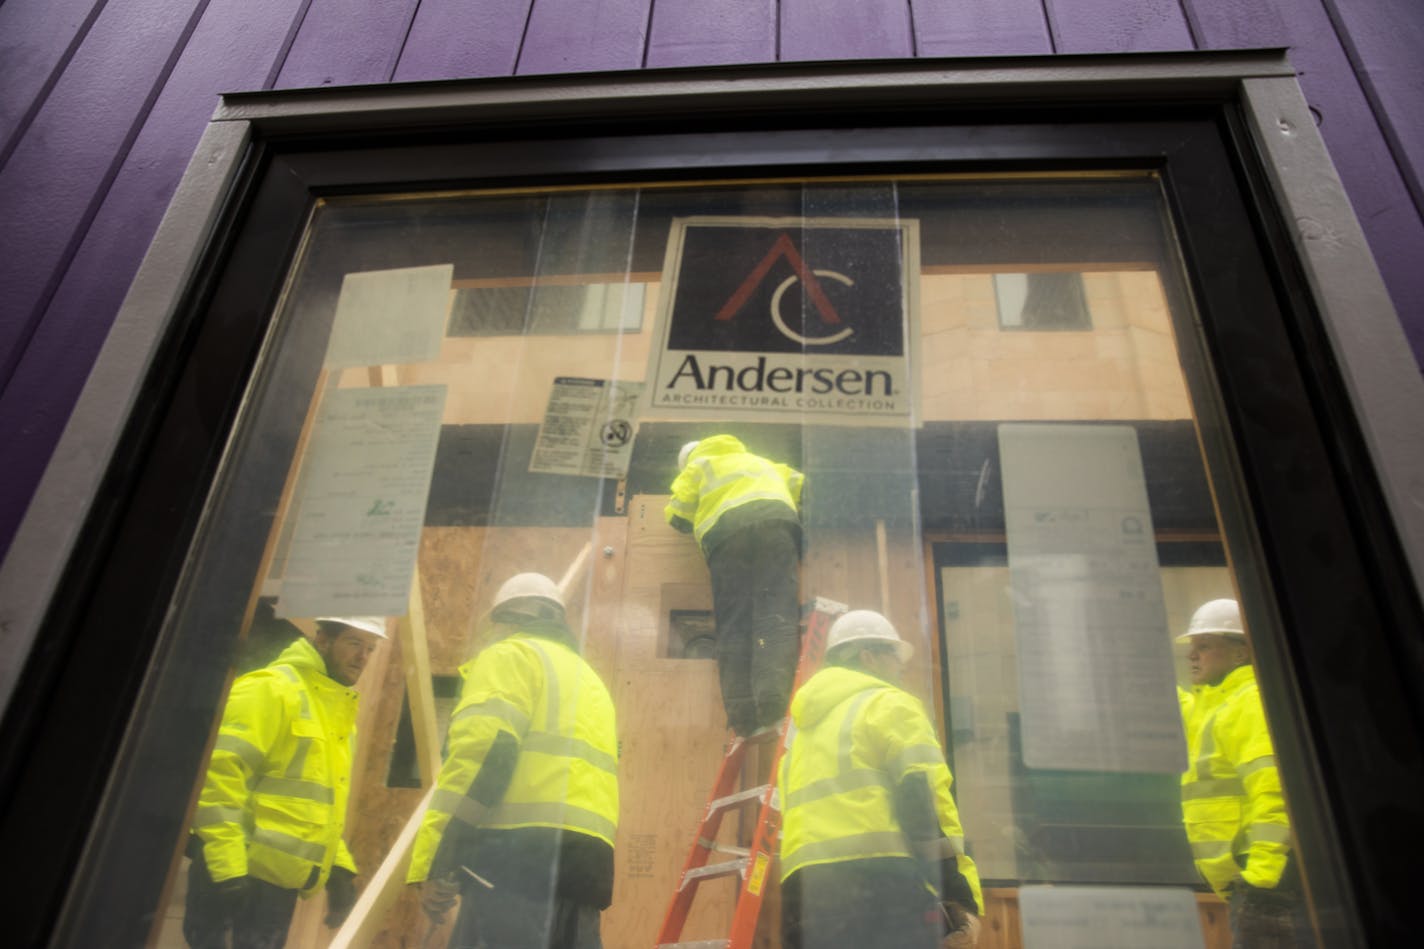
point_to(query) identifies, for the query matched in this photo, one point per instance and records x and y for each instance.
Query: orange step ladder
(752, 864)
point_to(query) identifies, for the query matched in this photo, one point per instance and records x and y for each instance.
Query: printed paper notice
(587, 428)
(390, 317)
(1109, 917)
(365, 481)
(1096, 683)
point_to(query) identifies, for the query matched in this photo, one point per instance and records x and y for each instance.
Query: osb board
(1002, 930)
(672, 730)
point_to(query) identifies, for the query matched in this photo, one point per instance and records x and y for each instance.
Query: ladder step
(735, 800)
(713, 870)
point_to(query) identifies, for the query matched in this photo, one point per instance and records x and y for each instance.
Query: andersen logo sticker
(803, 317)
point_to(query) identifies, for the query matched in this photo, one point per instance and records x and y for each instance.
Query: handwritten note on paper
(390, 317)
(1096, 681)
(1109, 917)
(587, 428)
(365, 480)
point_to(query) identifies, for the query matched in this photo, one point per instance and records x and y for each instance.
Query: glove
(232, 896)
(436, 898)
(963, 927)
(1265, 916)
(340, 896)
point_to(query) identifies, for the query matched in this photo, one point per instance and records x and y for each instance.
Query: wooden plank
(346, 42)
(420, 695)
(1111, 26)
(844, 29)
(451, 39)
(384, 889)
(712, 32)
(566, 36)
(980, 28)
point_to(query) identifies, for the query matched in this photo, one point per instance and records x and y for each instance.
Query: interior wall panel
(347, 43)
(711, 32)
(981, 28)
(38, 35)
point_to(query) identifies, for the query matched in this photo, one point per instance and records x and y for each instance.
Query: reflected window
(1041, 301)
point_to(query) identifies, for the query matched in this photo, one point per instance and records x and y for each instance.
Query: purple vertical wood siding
(1386, 41)
(347, 43)
(584, 35)
(711, 32)
(101, 102)
(231, 47)
(845, 29)
(981, 28)
(1113, 26)
(1368, 169)
(35, 35)
(457, 39)
(60, 168)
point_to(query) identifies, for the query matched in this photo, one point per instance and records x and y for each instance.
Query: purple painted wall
(101, 103)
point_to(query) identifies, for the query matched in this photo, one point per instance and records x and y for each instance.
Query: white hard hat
(530, 586)
(375, 625)
(1215, 618)
(867, 626)
(686, 453)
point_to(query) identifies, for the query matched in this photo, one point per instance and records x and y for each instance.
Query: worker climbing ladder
(752, 864)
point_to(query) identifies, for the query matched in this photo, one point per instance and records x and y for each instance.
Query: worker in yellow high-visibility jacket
(743, 510)
(1232, 804)
(872, 852)
(273, 804)
(522, 821)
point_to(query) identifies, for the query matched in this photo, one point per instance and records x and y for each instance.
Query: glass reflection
(935, 450)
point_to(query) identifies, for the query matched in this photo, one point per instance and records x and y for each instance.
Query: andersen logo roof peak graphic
(789, 289)
(804, 317)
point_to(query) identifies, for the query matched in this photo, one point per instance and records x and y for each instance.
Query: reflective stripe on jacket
(273, 804)
(566, 775)
(722, 475)
(1231, 792)
(856, 739)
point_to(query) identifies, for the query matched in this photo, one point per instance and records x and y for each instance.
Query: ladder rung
(713, 870)
(733, 800)
(696, 944)
(729, 849)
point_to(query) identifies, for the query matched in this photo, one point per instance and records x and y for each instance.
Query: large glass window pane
(888, 415)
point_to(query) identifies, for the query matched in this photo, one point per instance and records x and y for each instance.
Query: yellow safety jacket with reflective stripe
(1232, 803)
(722, 475)
(273, 804)
(855, 739)
(566, 775)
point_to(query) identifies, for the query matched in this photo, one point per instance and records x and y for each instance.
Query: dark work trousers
(756, 600)
(837, 906)
(501, 919)
(260, 923)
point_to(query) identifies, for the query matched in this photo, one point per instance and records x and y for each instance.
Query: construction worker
(743, 511)
(1232, 804)
(273, 804)
(522, 821)
(872, 853)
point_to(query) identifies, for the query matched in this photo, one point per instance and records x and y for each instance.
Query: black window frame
(1331, 560)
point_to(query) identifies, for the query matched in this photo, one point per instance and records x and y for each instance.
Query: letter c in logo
(797, 337)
